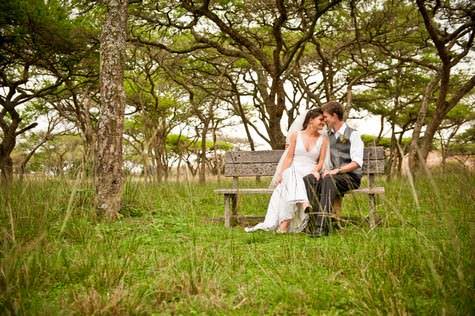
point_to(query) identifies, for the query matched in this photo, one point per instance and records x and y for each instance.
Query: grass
(164, 258)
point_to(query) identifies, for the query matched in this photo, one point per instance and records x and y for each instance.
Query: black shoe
(318, 233)
(308, 210)
(336, 224)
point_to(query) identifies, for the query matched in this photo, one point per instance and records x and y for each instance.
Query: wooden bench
(263, 163)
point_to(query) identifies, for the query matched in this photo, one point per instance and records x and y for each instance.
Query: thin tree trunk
(420, 122)
(216, 158)
(28, 157)
(178, 171)
(380, 134)
(245, 123)
(393, 153)
(202, 166)
(109, 175)
(275, 104)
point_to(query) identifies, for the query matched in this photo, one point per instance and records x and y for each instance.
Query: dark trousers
(323, 192)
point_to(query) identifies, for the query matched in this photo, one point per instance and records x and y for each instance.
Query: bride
(307, 153)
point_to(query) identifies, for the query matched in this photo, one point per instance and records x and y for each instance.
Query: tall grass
(165, 257)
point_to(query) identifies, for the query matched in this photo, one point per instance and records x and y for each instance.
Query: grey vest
(340, 149)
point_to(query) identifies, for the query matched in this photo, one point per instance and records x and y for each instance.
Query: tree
(35, 142)
(451, 27)
(38, 43)
(160, 105)
(109, 160)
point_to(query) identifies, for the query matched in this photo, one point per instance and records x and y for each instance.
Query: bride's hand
(278, 180)
(316, 174)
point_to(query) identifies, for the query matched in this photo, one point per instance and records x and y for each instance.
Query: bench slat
(261, 156)
(250, 169)
(268, 169)
(264, 162)
(373, 167)
(245, 191)
(374, 190)
(373, 153)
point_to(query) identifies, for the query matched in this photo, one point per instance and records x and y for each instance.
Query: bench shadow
(342, 222)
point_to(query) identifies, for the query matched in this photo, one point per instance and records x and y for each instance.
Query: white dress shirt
(356, 144)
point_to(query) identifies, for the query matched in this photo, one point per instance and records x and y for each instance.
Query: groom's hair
(310, 115)
(334, 107)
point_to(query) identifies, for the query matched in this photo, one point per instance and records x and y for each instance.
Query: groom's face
(330, 119)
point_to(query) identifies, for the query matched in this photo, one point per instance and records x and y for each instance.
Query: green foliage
(369, 140)
(464, 143)
(40, 27)
(164, 255)
(59, 156)
(177, 142)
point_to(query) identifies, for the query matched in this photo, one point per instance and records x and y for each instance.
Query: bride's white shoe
(249, 229)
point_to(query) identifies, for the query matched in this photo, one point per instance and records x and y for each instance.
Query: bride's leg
(305, 204)
(284, 226)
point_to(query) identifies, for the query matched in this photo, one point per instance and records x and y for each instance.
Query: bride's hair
(310, 115)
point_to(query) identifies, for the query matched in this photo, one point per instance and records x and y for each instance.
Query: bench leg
(337, 207)
(230, 209)
(337, 211)
(372, 210)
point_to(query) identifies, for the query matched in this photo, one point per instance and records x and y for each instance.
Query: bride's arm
(290, 154)
(323, 152)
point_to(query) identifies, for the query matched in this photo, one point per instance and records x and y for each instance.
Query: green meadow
(165, 256)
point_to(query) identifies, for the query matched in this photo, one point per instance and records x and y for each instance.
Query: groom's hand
(331, 172)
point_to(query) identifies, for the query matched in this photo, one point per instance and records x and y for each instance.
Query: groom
(346, 154)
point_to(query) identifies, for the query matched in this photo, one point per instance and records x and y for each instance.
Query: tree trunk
(178, 171)
(245, 121)
(8, 142)
(109, 175)
(420, 122)
(217, 160)
(6, 163)
(202, 164)
(393, 154)
(89, 150)
(6, 167)
(28, 157)
(159, 153)
(275, 110)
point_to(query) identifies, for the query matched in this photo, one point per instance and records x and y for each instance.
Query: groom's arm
(356, 149)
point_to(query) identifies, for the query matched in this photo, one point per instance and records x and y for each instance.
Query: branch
(142, 42)
(461, 92)
(32, 125)
(460, 31)
(466, 49)
(251, 47)
(309, 32)
(432, 30)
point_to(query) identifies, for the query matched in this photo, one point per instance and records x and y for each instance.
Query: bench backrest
(264, 162)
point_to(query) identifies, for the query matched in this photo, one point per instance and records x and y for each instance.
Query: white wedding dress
(286, 199)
